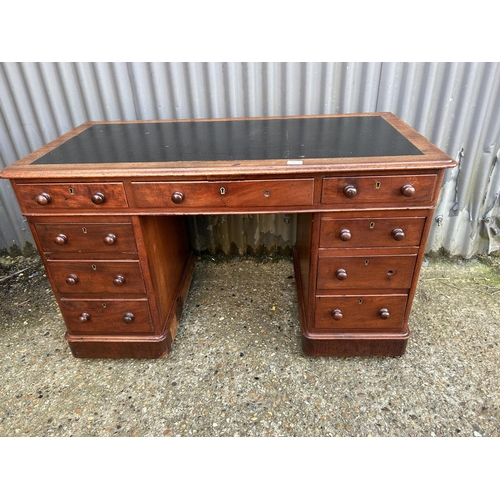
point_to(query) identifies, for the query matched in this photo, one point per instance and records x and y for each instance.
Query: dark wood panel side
(303, 252)
(166, 245)
(420, 256)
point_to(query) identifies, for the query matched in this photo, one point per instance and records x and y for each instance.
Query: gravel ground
(237, 368)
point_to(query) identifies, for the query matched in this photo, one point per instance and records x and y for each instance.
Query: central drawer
(91, 277)
(224, 194)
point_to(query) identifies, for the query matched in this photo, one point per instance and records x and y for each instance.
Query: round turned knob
(177, 197)
(408, 190)
(341, 274)
(350, 191)
(345, 235)
(110, 239)
(384, 313)
(98, 198)
(128, 318)
(337, 314)
(119, 280)
(84, 317)
(61, 239)
(398, 234)
(43, 199)
(72, 279)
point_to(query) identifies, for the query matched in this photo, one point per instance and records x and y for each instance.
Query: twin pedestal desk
(106, 201)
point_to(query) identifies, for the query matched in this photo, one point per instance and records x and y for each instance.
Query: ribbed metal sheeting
(455, 105)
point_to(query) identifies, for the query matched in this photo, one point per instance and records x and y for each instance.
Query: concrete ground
(237, 368)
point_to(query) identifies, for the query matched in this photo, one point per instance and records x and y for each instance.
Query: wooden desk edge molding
(105, 203)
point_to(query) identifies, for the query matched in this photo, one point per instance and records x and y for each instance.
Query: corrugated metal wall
(455, 105)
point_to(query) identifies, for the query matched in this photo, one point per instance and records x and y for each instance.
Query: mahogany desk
(105, 204)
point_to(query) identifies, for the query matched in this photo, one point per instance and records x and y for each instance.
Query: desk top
(299, 138)
(228, 146)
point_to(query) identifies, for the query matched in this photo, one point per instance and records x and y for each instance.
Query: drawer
(360, 312)
(103, 277)
(107, 316)
(371, 232)
(405, 190)
(82, 238)
(225, 195)
(381, 271)
(65, 196)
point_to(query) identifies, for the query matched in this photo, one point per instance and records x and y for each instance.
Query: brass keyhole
(372, 225)
(377, 185)
(71, 191)
(104, 305)
(84, 230)
(94, 267)
(367, 262)
(222, 190)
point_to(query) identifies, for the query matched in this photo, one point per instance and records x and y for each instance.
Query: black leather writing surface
(297, 138)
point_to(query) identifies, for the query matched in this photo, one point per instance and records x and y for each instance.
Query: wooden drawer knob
(43, 199)
(384, 313)
(398, 234)
(110, 239)
(84, 318)
(345, 235)
(119, 280)
(341, 274)
(337, 314)
(72, 279)
(350, 191)
(61, 239)
(98, 198)
(128, 318)
(177, 197)
(408, 190)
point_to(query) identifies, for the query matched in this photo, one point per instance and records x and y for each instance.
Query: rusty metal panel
(455, 105)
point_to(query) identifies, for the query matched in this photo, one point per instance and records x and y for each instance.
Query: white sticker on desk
(294, 162)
